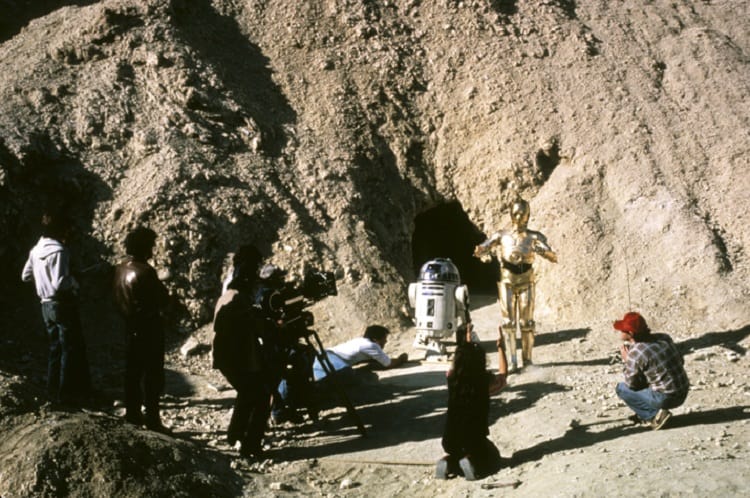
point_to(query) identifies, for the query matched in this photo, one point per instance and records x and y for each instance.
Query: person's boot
(441, 468)
(446, 467)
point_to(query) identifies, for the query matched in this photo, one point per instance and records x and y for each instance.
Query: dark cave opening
(445, 231)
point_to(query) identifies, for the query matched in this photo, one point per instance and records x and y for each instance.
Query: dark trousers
(67, 365)
(465, 433)
(460, 443)
(144, 370)
(251, 408)
(296, 390)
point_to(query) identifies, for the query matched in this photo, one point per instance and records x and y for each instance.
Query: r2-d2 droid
(441, 305)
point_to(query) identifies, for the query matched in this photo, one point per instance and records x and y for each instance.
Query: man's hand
(397, 362)
(624, 352)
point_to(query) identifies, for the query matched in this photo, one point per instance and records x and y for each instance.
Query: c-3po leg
(526, 322)
(508, 315)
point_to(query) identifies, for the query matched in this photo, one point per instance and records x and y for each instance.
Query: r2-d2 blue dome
(440, 304)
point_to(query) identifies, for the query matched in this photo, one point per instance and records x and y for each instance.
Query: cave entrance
(445, 231)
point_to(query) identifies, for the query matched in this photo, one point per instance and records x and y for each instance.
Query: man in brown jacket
(140, 298)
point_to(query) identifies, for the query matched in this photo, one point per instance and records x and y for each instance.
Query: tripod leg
(331, 374)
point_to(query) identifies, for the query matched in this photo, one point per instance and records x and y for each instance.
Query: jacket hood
(46, 247)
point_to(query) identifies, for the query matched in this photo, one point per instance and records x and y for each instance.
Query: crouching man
(655, 378)
(358, 350)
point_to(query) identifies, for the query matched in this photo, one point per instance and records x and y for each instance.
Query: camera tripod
(331, 374)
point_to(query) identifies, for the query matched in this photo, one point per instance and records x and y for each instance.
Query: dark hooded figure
(469, 452)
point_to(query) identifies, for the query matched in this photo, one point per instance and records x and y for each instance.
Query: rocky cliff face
(321, 131)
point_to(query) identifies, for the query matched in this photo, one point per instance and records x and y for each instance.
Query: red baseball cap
(632, 323)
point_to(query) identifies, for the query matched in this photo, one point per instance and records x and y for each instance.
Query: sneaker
(468, 469)
(636, 419)
(660, 419)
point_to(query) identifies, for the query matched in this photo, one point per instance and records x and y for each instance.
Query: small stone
(347, 484)
(190, 347)
(218, 389)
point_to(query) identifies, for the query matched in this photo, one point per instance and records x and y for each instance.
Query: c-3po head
(519, 213)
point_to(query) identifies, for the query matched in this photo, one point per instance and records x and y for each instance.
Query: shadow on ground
(408, 407)
(729, 339)
(580, 437)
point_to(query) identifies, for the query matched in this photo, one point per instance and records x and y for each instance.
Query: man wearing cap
(655, 378)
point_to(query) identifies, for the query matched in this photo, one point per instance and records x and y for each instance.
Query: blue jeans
(647, 402)
(339, 364)
(67, 365)
(288, 396)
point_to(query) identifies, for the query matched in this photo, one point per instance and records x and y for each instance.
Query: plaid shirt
(656, 364)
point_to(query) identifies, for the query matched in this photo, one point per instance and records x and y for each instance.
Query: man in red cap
(655, 378)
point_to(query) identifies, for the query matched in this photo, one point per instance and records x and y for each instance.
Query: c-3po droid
(441, 307)
(516, 248)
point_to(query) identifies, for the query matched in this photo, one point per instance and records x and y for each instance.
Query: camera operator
(295, 357)
(243, 350)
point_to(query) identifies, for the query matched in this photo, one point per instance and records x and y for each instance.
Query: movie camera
(293, 299)
(288, 301)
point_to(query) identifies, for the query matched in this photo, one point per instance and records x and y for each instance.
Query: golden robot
(516, 250)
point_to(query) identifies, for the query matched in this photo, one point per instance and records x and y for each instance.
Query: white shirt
(361, 349)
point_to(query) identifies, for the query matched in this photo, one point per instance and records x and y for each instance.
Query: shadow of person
(579, 436)
(729, 339)
(708, 417)
(404, 408)
(560, 336)
(574, 438)
(411, 409)
(524, 397)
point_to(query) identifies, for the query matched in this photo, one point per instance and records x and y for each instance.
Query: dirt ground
(560, 428)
